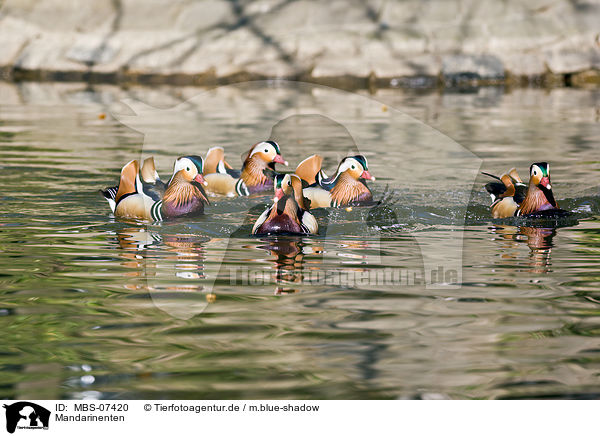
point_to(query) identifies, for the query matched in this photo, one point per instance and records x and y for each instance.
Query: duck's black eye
(266, 150)
(535, 172)
(187, 169)
(353, 167)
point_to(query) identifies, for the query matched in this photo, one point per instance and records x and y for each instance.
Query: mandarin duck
(224, 180)
(512, 197)
(183, 197)
(346, 188)
(288, 214)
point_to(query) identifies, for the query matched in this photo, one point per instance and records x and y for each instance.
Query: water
(93, 307)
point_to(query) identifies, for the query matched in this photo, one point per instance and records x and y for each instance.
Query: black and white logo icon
(26, 415)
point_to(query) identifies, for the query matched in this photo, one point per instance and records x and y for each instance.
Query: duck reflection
(540, 243)
(163, 259)
(288, 258)
(135, 241)
(539, 240)
(188, 252)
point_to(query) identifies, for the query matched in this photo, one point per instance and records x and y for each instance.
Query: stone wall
(362, 42)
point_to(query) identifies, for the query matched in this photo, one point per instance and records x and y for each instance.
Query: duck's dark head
(539, 176)
(291, 186)
(278, 186)
(355, 166)
(189, 168)
(268, 152)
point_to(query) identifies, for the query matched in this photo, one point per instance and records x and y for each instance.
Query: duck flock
(141, 194)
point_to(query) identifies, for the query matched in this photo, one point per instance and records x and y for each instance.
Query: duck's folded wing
(154, 191)
(236, 174)
(514, 175)
(308, 169)
(149, 173)
(214, 156)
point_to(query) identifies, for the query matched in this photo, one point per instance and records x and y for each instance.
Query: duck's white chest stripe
(241, 188)
(156, 212)
(112, 204)
(261, 219)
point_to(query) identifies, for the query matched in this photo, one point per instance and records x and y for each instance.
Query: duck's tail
(490, 175)
(110, 194)
(507, 185)
(129, 174)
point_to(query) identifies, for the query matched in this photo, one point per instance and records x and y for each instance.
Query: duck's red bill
(278, 193)
(367, 176)
(279, 159)
(200, 179)
(545, 182)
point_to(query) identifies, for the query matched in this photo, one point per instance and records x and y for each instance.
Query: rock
(363, 41)
(14, 37)
(91, 49)
(525, 64)
(573, 55)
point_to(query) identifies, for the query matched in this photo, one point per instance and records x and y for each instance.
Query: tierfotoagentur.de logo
(25, 415)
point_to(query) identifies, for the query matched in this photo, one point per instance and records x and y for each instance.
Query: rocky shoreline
(346, 44)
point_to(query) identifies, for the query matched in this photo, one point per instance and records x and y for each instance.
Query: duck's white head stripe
(275, 146)
(265, 147)
(180, 163)
(348, 163)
